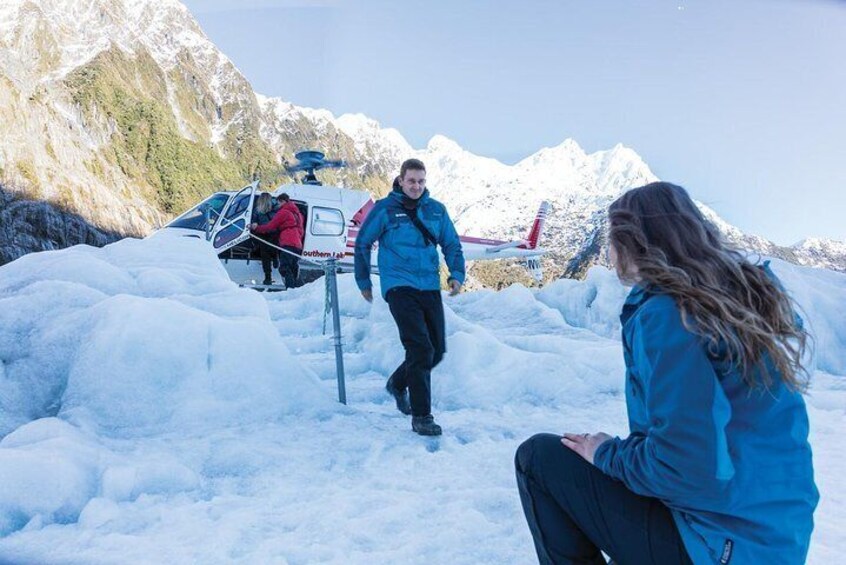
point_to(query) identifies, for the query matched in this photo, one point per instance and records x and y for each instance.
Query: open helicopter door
(234, 223)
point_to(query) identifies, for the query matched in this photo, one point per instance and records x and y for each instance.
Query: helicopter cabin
(223, 219)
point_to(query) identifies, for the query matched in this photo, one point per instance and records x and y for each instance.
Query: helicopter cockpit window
(327, 221)
(195, 218)
(237, 208)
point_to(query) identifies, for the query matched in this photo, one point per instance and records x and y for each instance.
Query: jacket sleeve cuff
(458, 277)
(604, 455)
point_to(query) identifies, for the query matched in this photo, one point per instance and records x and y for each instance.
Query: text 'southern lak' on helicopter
(333, 217)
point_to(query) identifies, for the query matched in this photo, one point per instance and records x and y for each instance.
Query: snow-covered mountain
(125, 113)
(492, 199)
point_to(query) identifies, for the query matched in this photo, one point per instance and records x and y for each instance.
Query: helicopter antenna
(309, 161)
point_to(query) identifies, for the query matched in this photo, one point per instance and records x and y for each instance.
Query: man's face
(413, 183)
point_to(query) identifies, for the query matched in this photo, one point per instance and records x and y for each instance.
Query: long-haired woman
(717, 466)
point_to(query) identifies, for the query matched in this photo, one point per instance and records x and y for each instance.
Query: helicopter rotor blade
(337, 164)
(309, 161)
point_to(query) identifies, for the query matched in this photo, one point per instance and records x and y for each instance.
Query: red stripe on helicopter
(480, 240)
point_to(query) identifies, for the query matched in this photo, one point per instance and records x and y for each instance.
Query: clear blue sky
(741, 101)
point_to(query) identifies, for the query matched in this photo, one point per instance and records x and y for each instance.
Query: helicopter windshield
(202, 217)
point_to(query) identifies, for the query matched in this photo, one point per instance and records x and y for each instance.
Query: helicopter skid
(264, 287)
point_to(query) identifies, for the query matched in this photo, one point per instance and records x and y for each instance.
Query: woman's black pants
(575, 511)
(267, 254)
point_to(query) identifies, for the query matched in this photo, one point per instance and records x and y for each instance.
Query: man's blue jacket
(405, 258)
(732, 464)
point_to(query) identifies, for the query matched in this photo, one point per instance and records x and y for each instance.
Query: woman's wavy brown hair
(663, 241)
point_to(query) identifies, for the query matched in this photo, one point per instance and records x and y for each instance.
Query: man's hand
(367, 294)
(585, 444)
(454, 287)
(253, 226)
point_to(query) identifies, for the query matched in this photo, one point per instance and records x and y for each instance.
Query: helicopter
(333, 217)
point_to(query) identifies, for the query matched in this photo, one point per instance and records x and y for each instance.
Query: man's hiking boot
(267, 281)
(400, 396)
(425, 425)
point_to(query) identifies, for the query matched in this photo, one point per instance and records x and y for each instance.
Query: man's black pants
(574, 510)
(419, 315)
(289, 265)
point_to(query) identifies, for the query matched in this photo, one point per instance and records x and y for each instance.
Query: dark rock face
(27, 226)
(591, 252)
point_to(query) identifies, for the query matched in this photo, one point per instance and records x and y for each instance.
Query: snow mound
(138, 337)
(593, 304)
(820, 295)
(51, 472)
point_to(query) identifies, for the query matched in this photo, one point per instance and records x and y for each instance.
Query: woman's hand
(585, 444)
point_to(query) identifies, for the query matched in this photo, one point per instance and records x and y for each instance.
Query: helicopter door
(328, 230)
(233, 227)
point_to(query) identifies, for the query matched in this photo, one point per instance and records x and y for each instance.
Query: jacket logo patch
(726, 556)
(400, 215)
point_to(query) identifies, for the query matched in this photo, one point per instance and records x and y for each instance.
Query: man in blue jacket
(409, 225)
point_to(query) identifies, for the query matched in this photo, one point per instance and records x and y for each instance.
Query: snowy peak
(442, 144)
(819, 252)
(567, 151)
(279, 111)
(61, 35)
(449, 160)
(621, 160)
(822, 244)
(371, 138)
(361, 128)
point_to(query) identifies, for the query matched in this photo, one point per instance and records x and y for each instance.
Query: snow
(371, 138)
(153, 411)
(819, 252)
(820, 244)
(821, 295)
(119, 298)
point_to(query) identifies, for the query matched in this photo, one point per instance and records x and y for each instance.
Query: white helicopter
(333, 217)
